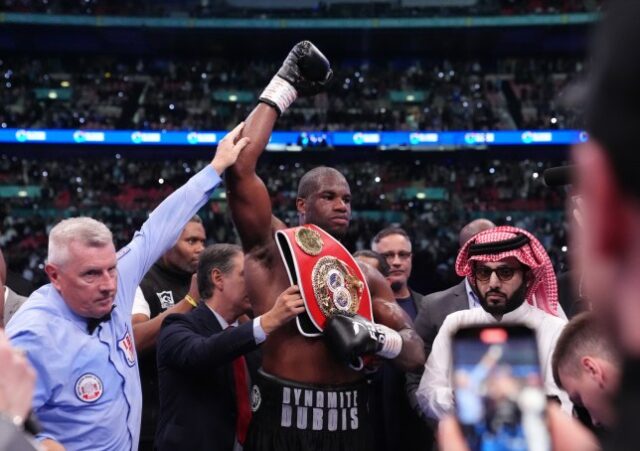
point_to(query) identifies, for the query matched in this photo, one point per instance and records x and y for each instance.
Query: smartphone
(498, 388)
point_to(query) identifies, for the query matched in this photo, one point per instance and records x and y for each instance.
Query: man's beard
(515, 301)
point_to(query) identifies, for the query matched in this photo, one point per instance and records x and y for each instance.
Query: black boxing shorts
(289, 416)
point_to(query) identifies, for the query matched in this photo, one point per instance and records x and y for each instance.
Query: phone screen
(499, 395)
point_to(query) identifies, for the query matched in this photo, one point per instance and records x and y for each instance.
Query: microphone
(558, 176)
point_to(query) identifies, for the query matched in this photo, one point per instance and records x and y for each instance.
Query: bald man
(473, 228)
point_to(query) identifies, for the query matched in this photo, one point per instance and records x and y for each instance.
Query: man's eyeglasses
(504, 273)
(402, 255)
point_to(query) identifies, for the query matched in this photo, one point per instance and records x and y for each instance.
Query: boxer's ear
(301, 205)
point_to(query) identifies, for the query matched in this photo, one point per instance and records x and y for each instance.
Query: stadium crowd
(419, 195)
(202, 94)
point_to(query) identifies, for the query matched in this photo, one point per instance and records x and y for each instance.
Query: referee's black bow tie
(93, 323)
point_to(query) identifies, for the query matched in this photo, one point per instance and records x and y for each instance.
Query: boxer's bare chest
(286, 353)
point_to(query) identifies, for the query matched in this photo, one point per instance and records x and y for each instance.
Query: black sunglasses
(504, 273)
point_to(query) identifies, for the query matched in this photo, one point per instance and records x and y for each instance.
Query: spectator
(195, 94)
(513, 278)
(397, 425)
(587, 366)
(170, 278)
(472, 229)
(337, 9)
(394, 244)
(437, 306)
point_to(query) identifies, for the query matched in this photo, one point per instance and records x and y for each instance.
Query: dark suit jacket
(436, 307)
(569, 297)
(195, 373)
(396, 425)
(19, 284)
(418, 299)
(13, 303)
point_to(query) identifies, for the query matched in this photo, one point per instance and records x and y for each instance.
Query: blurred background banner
(418, 140)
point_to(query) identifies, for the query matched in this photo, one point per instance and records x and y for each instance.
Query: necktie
(93, 323)
(243, 408)
(242, 398)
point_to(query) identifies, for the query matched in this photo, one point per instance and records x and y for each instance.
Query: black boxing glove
(351, 337)
(305, 71)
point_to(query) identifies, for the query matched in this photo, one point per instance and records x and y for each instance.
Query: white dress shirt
(471, 295)
(258, 332)
(435, 393)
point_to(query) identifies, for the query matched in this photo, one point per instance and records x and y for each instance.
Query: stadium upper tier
(300, 8)
(104, 93)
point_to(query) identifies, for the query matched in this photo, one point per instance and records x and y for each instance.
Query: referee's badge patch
(126, 346)
(256, 398)
(89, 388)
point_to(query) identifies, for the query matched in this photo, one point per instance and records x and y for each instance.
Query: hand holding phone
(498, 388)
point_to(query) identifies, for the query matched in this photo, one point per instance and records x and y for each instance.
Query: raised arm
(246, 193)
(304, 72)
(165, 223)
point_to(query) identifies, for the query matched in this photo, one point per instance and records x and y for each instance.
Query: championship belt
(329, 278)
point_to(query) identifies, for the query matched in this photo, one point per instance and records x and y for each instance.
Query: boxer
(311, 393)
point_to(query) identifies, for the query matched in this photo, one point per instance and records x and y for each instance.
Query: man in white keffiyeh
(512, 276)
(505, 243)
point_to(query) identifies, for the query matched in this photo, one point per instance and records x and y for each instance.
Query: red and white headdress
(497, 243)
